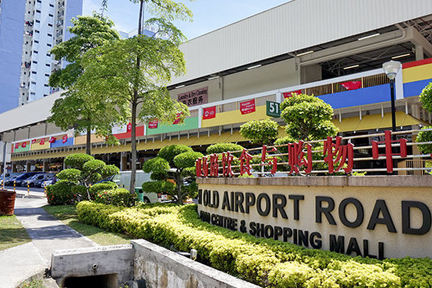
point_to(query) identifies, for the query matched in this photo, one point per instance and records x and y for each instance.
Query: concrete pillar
(419, 52)
(14, 167)
(45, 166)
(123, 161)
(27, 168)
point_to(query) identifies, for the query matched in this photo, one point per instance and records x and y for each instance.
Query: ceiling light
(180, 86)
(305, 53)
(369, 36)
(350, 67)
(255, 66)
(213, 77)
(400, 56)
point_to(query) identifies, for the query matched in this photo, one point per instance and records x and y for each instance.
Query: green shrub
(60, 193)
(80, 191)
(169, 152)
(108, 185)
(425, 136)
(265, 262)
(186, 159)
(116, 197)
(262, 132)
(78, 160)
(71, 175)
(224, 147)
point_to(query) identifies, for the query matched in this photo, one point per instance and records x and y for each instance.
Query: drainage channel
(98, 281)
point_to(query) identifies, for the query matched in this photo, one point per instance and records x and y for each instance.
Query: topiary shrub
(425, 136)
(96, 188)
(80, 191)
(61, 193)
(78, 160)
(117, 197)
(224, 147)
(169, 152)
(262, 132)
(187, 159)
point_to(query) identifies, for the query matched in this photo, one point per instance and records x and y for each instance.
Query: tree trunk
(134, 113)
(88, 141)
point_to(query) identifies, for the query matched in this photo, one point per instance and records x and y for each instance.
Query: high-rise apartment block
(28, 31)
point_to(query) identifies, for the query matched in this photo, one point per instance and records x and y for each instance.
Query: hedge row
(265, 262)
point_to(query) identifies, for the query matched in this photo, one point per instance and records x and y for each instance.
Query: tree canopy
(261, 132)
(73, 110)
(307, 118)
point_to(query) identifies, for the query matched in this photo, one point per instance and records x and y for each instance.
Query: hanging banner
(64, 139)
(195, 97)
(129, 127)
(52, 140)
(351, 85)
(209, 112)
(42, 141)
(177, 120)
(153, 124)
(33, 141)
(247, 107)
(292, 93)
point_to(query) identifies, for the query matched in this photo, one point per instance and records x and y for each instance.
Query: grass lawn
(67, 214)
(12, 233)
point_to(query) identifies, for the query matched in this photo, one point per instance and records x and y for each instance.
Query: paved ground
(48, 234)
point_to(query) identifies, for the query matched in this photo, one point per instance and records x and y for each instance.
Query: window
(48, 65)
(35, 62)
(49, 45)
(49, 35)
(36, 41)
(46, 75)
(36, 52)
(33, 72)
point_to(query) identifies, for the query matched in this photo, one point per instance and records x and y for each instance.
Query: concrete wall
(381, 216)
(142, 264)
(162, 268)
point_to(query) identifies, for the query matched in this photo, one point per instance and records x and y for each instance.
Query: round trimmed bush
(116, 197)
(61, 193)
(78, 160)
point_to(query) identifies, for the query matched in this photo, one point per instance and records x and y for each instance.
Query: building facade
(31, 29)
(336, 56)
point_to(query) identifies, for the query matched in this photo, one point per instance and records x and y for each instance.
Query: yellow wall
(417, 73)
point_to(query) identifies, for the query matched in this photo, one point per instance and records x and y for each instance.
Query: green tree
(426, 136)
(134, 73)
(85, 170)
(72, 110)
(262, 132)
(308, 118)
(173, 171)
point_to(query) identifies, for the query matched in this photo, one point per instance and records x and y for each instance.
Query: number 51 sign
(273, 109)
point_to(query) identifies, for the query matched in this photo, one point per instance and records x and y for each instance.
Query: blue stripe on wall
(59, 143)
(415, 88)
(364, 96)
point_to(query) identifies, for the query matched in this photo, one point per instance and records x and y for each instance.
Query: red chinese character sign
(338, 155)
(269, 161)
(298, 159)
(245, 163)
(389, 153)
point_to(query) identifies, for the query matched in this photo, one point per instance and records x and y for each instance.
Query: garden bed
(265, 262)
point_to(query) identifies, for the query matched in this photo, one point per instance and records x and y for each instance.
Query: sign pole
(4, 164)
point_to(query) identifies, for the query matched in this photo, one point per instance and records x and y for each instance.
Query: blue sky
(209, 15)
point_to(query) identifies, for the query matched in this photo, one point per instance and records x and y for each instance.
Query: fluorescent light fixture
(180, 86)
(400, 56)
(305, 53)
(369, 36)
(350, 67)
(253, 67)
(213, 77)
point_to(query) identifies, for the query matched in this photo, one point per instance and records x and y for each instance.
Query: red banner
(290, 94)
(42, 141)
(351, 85)
(209, 113)
(24, 144)
(17, 145)
(34, 141)
(52, 140)
(247, 107)
(153, 124)
(65, 139)
(177, 120)
(129, 127)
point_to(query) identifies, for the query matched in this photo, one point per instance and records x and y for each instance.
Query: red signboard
(209, 113)
(195, 97)
(247, 107)
(153, 124)
(64, 139)
(292, 93)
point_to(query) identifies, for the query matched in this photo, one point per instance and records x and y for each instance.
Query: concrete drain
(98, 281)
